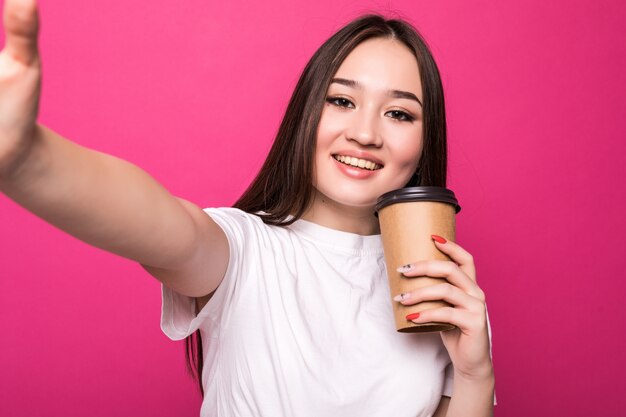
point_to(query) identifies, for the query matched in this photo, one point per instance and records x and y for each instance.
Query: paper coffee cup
(408, 217)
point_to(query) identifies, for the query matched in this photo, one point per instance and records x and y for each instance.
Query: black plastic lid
(410, 194)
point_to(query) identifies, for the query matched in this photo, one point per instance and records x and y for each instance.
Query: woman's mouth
(357, 162)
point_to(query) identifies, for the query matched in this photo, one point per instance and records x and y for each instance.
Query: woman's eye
(340, 101)
(400, 115)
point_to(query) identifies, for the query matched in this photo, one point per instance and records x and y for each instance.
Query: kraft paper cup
(408, 217)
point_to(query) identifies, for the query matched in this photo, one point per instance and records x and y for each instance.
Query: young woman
(288, 289)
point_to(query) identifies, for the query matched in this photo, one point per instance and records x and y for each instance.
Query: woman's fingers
(446, 270)
(466, 321)
(445, 292)
(20, 83)
(21, 26)
(460, 256)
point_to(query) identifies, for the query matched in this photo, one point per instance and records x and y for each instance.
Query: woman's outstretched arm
(102, 200)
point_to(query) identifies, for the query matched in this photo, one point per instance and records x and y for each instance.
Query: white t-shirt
(302, 326)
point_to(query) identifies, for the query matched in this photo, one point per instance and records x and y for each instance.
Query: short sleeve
(448, 383)
(178, 312)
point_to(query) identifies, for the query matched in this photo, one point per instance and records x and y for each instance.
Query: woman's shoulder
(239, 223)
(233, 214)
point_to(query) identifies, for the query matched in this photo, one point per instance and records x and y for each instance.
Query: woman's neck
(328, 213)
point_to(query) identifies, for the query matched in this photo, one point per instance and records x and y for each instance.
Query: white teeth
(357, 162)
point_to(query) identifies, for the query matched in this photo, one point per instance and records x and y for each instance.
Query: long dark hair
(282, 190)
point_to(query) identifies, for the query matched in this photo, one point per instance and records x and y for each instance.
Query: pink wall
(194, 94)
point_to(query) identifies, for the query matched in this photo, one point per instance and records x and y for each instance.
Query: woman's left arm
(468, 343)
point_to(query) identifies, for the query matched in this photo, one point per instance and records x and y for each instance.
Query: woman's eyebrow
(391, 93)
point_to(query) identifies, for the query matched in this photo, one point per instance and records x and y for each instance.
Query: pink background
(194, 94)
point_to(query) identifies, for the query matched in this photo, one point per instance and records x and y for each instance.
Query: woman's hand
(20, 80)
(467, 344)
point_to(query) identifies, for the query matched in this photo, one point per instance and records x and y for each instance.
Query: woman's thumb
(21, 25)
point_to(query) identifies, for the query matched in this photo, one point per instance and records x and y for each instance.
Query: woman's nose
(364, 128)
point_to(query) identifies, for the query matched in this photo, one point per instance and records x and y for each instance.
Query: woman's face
(369, 138)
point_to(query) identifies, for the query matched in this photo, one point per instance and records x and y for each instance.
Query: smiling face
(369, 138)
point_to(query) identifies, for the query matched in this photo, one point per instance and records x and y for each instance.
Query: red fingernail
(438, 238)
(412, 316)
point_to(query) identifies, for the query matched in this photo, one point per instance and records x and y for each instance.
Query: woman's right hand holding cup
(20, 83)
